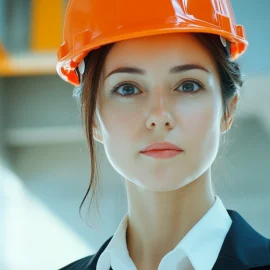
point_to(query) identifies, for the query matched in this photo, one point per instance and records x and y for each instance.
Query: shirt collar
(206, 235)
(117, 246)
(214, 224)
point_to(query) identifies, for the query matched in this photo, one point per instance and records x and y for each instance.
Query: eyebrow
(173, 70)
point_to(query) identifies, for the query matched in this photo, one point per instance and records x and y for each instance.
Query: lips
(159, 146)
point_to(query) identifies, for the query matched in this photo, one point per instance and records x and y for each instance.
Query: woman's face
(182, 107)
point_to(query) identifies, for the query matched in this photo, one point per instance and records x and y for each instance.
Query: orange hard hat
(90, 24)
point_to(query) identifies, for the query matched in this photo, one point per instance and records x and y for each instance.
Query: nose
(161, 120)
(160, 115)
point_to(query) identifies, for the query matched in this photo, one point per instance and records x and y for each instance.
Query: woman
(158, 86)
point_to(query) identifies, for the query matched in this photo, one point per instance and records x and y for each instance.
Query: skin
(166, 197)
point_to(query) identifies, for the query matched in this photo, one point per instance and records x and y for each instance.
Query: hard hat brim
(64, 66)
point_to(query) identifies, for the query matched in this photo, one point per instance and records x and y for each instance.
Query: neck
(158, 221)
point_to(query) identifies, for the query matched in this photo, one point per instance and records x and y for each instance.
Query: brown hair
(86, 94)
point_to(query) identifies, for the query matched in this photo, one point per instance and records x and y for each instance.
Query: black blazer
(243, 248)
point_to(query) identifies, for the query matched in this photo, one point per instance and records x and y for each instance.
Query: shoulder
(88, 262)
(245, 245)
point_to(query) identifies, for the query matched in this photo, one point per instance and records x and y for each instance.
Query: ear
(97, 134)
(232, 107)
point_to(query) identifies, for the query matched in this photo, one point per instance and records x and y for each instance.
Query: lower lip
(162, 153)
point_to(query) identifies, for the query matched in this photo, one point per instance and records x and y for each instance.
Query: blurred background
(44, 160)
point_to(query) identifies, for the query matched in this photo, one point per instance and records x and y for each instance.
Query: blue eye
(128, 89)
(190, 87)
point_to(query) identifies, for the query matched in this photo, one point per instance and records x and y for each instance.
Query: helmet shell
(89, 24)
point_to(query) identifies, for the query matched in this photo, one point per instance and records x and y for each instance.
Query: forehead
(165, 49)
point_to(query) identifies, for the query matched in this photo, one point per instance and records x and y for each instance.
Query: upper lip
(161, 146)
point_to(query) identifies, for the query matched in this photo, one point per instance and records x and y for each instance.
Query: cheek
(202, 115)
(199, 119)
(201, 129)
(121, 126)
(119, 122)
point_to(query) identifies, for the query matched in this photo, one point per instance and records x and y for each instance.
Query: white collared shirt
(198, 249)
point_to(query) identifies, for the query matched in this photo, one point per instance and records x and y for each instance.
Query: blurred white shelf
(28, 64)
(44, 136)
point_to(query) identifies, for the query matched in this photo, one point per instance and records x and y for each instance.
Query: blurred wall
(255, 16)
(14, 24)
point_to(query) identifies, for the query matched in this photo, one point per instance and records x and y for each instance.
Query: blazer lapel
(243, 247)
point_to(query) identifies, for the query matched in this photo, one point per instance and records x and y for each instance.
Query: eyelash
(200, 85)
